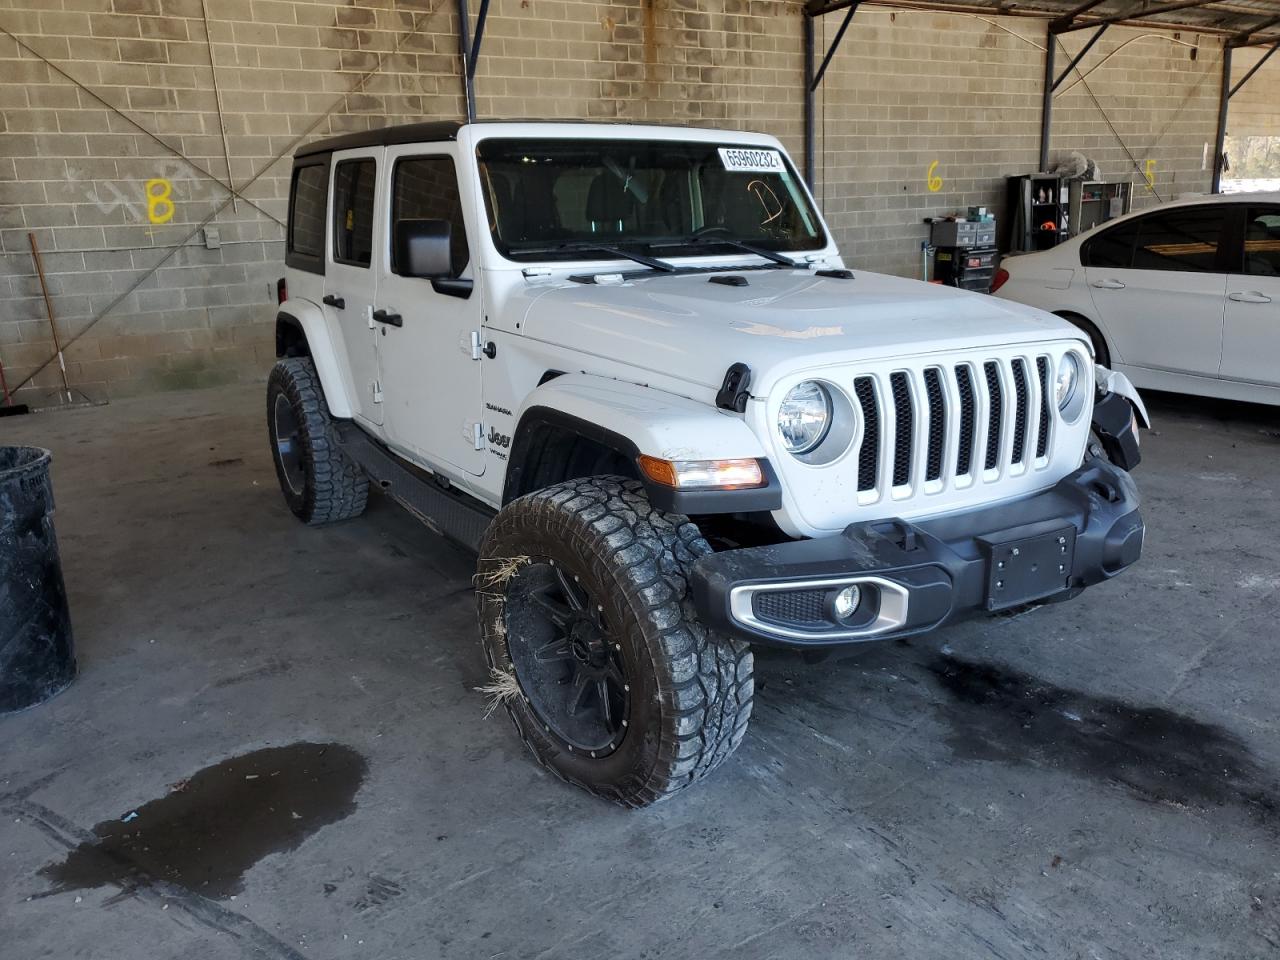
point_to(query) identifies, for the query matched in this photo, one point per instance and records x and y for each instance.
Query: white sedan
(1183, 297)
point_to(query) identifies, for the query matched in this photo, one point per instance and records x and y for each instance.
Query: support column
(810, 134)
(464, 47)
(1046, 102)
(1224, 103)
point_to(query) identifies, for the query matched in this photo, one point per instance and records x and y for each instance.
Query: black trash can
(37, 659)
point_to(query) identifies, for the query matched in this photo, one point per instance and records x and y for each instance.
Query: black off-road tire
(690, 689)
(320, 483)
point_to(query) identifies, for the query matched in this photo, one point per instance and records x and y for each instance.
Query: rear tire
(594, 646)
(320, 484)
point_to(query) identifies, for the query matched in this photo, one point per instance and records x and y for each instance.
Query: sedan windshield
(568, 199)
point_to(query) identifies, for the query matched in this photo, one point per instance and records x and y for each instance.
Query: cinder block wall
(128, 96)
(1255, 109)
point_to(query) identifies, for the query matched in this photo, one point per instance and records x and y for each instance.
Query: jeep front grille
(869, 455)
(929, 435)
(1020, 416)
(995, 408)
(1042, 440)
(904, 428)
(933, 427)
(968, 413)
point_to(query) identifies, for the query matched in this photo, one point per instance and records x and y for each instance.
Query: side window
(1262, 242)
(353, 184)
(1184, 239)
(307, 197)
(426, 188)
(1112, 247)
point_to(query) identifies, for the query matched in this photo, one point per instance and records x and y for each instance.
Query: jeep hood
(782, 321)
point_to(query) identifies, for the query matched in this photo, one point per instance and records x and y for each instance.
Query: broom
(53, 329)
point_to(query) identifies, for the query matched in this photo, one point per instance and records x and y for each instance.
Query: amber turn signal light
(702, 474)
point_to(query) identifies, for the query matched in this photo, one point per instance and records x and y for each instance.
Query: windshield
(676, 198)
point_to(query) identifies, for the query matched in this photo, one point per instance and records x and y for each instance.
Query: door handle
(338, 303)
(1249, 296)
(394, 319)
(1108, 284)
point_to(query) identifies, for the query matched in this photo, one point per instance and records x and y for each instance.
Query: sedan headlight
(1068, 377)
(804, 417)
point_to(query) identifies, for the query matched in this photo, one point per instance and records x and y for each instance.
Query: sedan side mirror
(423, 248)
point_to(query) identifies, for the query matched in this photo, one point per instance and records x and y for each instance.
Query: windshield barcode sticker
(751, 160)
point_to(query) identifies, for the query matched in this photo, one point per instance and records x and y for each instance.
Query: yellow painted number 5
(159, 201)
(934, 181)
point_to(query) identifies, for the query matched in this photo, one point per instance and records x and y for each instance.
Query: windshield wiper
(710, 238)
(585, 245)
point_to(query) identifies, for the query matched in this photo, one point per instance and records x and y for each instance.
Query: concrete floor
(1092, 780)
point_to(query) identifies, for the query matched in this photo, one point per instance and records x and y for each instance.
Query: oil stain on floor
(217, 824)
(1009, 717)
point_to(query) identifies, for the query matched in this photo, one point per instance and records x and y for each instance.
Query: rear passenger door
(350, 278)
(1251, 335)
(1159, 285)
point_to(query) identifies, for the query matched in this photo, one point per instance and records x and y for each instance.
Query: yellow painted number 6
(934, 181)
(159, 201)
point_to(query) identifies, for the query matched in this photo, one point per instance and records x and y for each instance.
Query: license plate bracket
(1028, 563)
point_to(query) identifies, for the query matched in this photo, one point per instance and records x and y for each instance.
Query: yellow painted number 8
(934, 181)
(159, 201)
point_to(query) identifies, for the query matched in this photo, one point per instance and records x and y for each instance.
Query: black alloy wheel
(566, 658)
(286, 434)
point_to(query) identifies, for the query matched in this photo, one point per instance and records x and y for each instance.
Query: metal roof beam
(1079, 56)
(1134, 15)
(1254, 69)
(1245, 38)
(1064, 22)
(816, 8)
(835, 45)
(473, 56)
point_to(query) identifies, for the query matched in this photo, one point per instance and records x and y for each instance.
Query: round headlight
(1068, 376)
(804, 417)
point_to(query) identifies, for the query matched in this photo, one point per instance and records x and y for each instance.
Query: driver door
(429, 340)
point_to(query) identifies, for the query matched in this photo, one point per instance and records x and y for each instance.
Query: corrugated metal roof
(1248, 22)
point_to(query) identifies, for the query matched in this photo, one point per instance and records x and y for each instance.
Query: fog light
(846, 602)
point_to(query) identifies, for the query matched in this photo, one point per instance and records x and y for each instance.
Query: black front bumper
(914, 577)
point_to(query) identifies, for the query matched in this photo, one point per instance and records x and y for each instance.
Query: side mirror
(423, 248)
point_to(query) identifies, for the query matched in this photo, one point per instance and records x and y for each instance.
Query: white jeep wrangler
(628, 367)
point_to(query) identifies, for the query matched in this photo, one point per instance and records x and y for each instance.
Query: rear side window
(353, 184)
(1262, 242)
(426, 188)
(307, 201)
(1113, 247)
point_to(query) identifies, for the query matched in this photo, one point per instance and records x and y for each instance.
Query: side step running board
(448, 512)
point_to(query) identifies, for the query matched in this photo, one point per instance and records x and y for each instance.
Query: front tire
(320, 484)
(600, 660)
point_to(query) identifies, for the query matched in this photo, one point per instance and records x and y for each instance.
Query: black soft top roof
(433, 131)
(436, 131)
